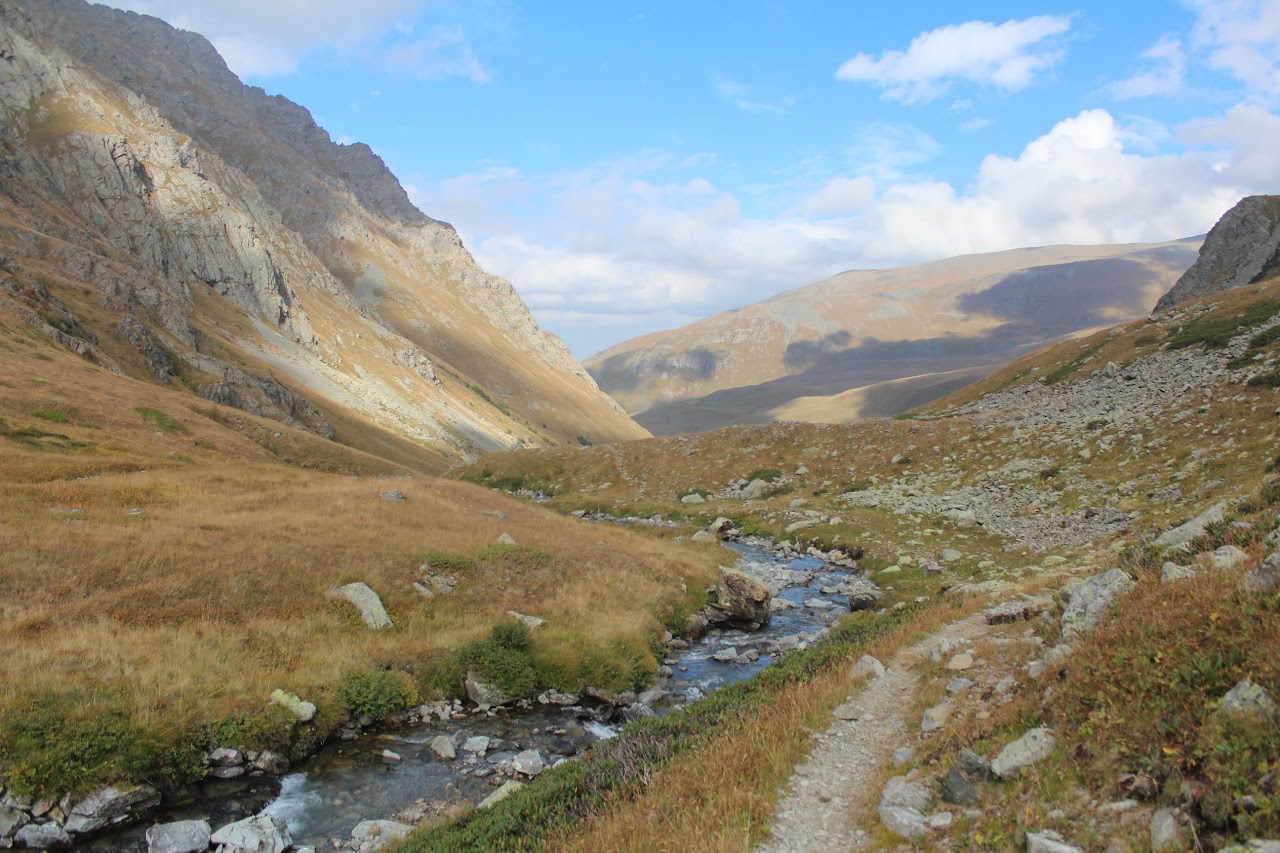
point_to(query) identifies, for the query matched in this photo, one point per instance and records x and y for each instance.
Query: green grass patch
(378, 694)
(161, 420)
(52, 415)
(769, 475)
(1071, 367)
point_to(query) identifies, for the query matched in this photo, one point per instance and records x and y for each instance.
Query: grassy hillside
(165, 564)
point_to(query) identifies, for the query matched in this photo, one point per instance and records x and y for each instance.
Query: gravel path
(818, 809)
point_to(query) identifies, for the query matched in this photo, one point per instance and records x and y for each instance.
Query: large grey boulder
(754, 489)
(528, 763)
(1249, 700)
(367, 602)
(10, 820)
(444, 747)
(110, 805)
(1084, 604)
(259, 834)
(904, 821)
(902, 806)
(184, 836)
(1032, 748)
(482, 692)
(1240, 249)
(1178, 536)
(741, 601)
(42, 836)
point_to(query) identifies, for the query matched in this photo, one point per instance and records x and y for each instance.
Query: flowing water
(323, 798)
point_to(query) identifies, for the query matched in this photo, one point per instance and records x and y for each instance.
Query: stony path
(817, 810)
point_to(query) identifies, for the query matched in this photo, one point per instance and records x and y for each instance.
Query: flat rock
(370, 835)
(1033, 747)
(1049, 842)
(444, 747)
(1184, 533)
(529, 763)
(259, 834)
(960, 662)
(506, 539)
(367, 602)
(901, 791)
(110, 805)
(478, 745)
(1265, 578)
(1166, 832)
(1172, 572)
(935, 717)
(845, 712)
(184, 836)
(903, 821)
(1018, 610)
(533, 622)
(1228, 557)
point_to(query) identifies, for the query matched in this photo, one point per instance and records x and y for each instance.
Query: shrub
(769, 475)
(378, 694)
(502, 659)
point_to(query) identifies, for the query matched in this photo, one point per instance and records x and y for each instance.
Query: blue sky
(633, 167)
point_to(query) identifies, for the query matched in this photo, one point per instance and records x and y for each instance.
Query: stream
(324, 797)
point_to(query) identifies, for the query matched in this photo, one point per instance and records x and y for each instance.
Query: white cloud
(268, 37)
(737, 94)
(1006, 56)
(1243, 39)
(623, 240)
(1163, 76)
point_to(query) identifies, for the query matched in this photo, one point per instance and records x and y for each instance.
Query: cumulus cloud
(267, 37)
(1006, 56)
(621, 248)
(1163, 76)
(1243, 39)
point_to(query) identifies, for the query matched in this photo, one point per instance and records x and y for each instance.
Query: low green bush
(378, 694)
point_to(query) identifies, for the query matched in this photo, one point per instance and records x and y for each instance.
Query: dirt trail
(816, 812)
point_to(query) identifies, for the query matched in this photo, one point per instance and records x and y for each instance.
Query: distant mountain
(229, 245)
(878, 342)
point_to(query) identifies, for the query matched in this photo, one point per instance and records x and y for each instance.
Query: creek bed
(346, 782)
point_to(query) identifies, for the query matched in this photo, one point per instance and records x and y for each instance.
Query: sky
(631, 167)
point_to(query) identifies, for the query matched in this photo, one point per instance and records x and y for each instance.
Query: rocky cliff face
(1243, 248)
(236, 243)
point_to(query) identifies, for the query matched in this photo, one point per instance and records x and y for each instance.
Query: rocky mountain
(877, 342)
(1242, 248)
(168, 222)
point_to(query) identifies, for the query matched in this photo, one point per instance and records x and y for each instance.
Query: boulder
(1085, 603)
(184, 836)
(693, 498)
(110, 805)
(960, 662)
(43, 836)
(903, 821)
(482, 692)
(1184, 533)
(1228, 557)
(703, 536)
(1033, 747)
(753, 490)
(478, 745)
(1172, 572)
(370, 835)
(528, 763)
(259, 834)
(935, 718)
(533, 622)
(1166, 832)
(1018, 610)
(741, 601)
(866, 667)
(10, 820)
(506, 539)
(367, 602)
(444, 747)
(1265, 578)
(304, 711)
(901, 791)
(1249, 700)
(507, 789)
(271, 763)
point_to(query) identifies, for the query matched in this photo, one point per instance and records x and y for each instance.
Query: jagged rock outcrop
(236, 246)
(1242, 248)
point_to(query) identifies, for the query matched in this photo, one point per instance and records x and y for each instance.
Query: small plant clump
(52, 415)
(378, 694)
(161, 420)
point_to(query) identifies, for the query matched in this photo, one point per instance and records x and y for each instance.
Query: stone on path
(365, 600)
(866, 667)
(845, 712)
(184, 836)
(902, 806)
(1033, 747)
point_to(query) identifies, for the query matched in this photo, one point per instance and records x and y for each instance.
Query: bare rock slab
(259, 834)
(184, 836)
